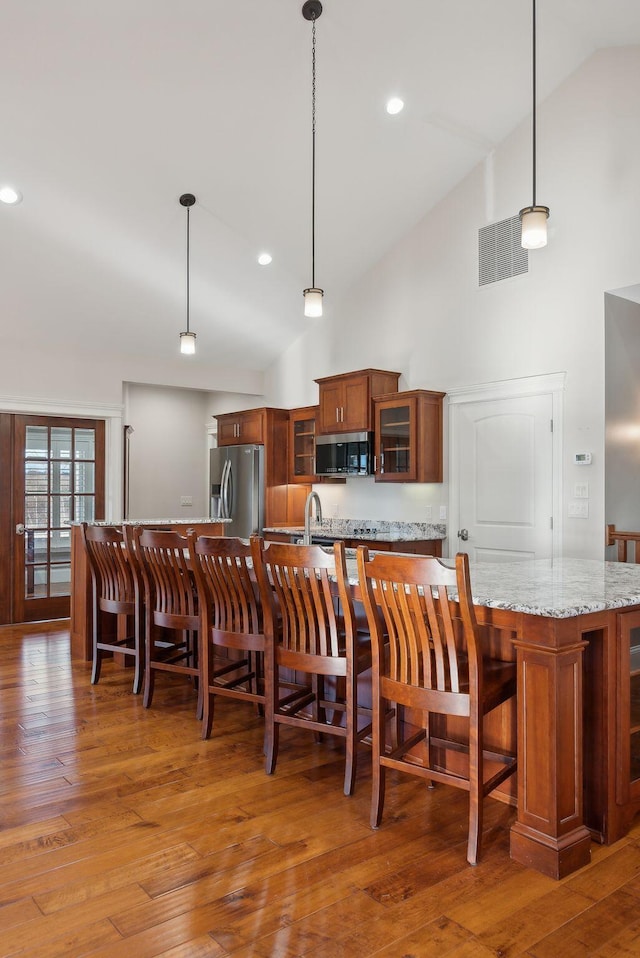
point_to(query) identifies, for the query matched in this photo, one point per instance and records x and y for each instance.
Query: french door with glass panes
(58, 478)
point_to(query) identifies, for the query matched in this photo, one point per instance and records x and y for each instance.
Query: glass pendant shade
(313, 302)
(187, 343)
(534, 226)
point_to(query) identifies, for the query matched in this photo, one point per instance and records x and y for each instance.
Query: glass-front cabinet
(396, 441)
(628, 758)
(408, 436)
(302, 444)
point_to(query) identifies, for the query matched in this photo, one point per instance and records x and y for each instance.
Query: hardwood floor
(123, 835)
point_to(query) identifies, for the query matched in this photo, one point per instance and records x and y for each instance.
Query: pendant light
(311, 10)
(187, 338)
(534, 218)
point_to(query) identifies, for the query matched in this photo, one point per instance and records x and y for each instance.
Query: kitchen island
(80, 624)
(574, 627)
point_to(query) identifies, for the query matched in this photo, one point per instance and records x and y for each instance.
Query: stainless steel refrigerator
(237, 488)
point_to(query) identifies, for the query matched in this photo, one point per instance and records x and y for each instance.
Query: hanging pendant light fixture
(311, 10)
(187, 338)
(534, 218)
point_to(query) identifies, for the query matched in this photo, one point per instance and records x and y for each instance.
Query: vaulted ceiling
(112, 110)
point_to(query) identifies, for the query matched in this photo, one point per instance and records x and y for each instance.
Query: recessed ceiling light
(264, 259)
(394, 105)
(9, 195)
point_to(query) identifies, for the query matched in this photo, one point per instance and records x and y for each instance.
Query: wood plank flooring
(123, 834)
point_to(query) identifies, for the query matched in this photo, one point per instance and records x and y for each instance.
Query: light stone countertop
(154, 522)
(369, 530)
(557, 588)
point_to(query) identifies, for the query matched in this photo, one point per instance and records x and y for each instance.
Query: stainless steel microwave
(349, 454)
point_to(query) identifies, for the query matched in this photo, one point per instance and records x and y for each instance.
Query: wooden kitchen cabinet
(628, 704)
(408, 436)
(346, 400)
(302, 444)
(269, 427)
(420, 547)
(241, 427)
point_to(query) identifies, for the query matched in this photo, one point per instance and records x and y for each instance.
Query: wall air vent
(500, 254)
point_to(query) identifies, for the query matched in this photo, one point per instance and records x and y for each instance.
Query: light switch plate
(186, 500)
(443, 513)
(581, 490)
(579, 510)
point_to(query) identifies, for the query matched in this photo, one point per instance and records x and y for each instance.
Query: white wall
(622, 356)
(173, 430)
(421, 311)
(168, 452)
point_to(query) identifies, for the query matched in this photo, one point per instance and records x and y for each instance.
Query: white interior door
(504, 452)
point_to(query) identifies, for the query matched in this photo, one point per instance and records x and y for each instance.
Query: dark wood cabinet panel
(628, 704)
(346, 400)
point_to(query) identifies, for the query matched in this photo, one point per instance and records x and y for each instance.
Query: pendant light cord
(533, 113)
(313, 152)
(188, 231)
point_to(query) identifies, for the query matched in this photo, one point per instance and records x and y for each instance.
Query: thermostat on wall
(582, 458)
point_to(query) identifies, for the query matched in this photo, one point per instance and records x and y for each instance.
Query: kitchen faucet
(311, 498)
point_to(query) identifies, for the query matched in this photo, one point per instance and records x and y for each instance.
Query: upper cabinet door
(345, 400)
(408, 437)
(302, 444)
(396, 441)
(241, 427)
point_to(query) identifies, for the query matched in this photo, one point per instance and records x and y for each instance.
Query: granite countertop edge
(153, 522)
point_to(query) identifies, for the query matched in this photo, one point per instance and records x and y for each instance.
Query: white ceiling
(112, 110)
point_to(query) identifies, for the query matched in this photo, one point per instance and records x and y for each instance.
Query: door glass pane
(394, 439)
(85, 444)
(36, 514)
(60, 545)
(36, 581)
(60, 510)
(36, 477)
(84, 508)
(85, 476)
(303, 447)
(61, 442)
(60, 579)
(37, 442)
(60, 477)
(38, 546)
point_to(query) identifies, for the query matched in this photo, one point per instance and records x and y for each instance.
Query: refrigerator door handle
(224, 490)
(227, 485)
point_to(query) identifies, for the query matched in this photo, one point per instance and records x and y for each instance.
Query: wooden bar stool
(114, 594)
(622, 540)
(171, 606)
(231, 632)
(306, 636)
(434, 665)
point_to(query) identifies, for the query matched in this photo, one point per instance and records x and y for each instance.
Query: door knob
(20, 529)
(463, 534)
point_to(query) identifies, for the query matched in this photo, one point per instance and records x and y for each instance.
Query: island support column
(550, 834)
